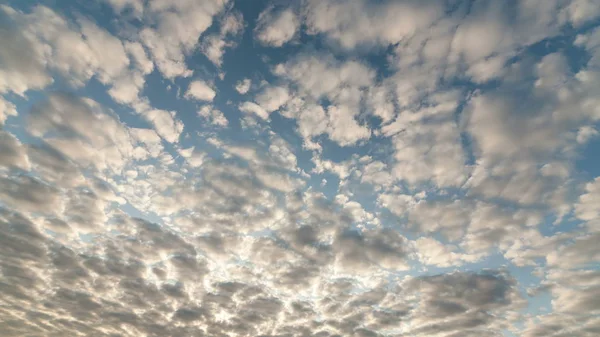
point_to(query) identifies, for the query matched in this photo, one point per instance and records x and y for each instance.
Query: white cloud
(192, 156)
(136, 6)
(253, 108)
(433, 252)
(139, 57)
(179, 26)
(82, 130)
(201, 91)
(215, 116)
(579, 12)
(585, 133)
(357, 23)
(148, 143)
(126, 89)
(165, 123)
(243, 86)
(213, 46)
(6, 109)
(275, 28)
(232, 23)
(322, 75)
(272, 98)
(588, 207)
(343, 127)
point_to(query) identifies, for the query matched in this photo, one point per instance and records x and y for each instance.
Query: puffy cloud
(30, 195)
(358, 251)
(356, 23)
(23, 64)
(431, 135)
(6, 109)
(178, 27)
(433, 252)
(510, 146)
(579, 253)
(65, 120)
(343, 127)
(136, 6)
(275, 28)
(215, 116)
(587, 208)
(165, 124)
(213, 46)
(272, 98)
(243, 86)
(323, 75)
(78, 51)
(253, 108)
(201, 91)
(462, 302)
(14, 154)
(579, 12)
(342, 83)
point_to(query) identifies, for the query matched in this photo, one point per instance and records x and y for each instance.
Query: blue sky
(302, 168)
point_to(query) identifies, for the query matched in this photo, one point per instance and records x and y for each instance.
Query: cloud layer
(312, 168)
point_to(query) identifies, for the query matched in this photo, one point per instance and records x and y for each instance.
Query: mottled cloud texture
(306, 168)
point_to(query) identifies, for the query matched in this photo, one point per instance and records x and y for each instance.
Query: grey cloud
(12, 153)
(53, 165)
(81, 130)
(483, 290)
(361, 250)
(26, 193)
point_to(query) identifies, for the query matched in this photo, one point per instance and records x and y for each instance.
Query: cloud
(119, 6)
(344, 129)
(213, 46)
(411, 168)
(432, 135)
(13, 152)
(433, 252)
(29, 194)
(253, 108)
(355, 23)
(587, 208)
(272, 98)
(23, 64)
(201, 91)
(215, 116)
(356, 251)
(165, 124)
(275, 28)
(178, 28)
(243, 86)
(323, 77)
(64, 121)
(7, 109)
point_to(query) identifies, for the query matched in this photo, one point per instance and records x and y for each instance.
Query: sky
(300, 168)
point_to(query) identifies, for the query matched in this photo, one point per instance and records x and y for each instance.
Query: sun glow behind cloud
(311, 168)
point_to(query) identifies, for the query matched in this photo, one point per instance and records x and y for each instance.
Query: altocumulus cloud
(304, 168)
